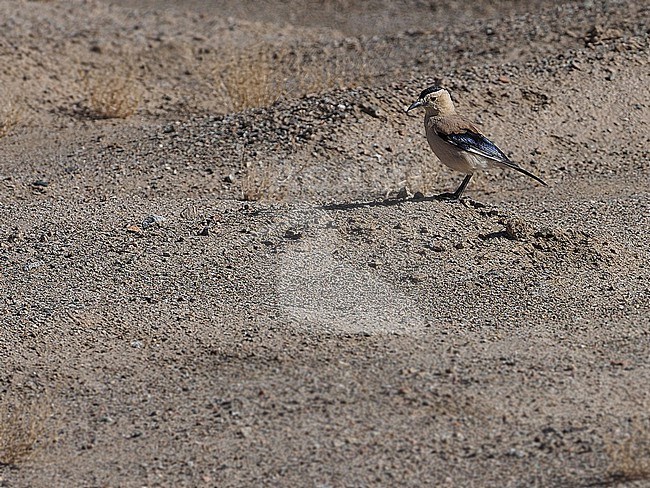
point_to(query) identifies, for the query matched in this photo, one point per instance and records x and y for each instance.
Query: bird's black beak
(416, 104)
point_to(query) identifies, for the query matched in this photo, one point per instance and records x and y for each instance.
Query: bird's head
(435, 100)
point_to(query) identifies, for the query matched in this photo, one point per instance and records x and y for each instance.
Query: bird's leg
(456, 195)
(459, 191)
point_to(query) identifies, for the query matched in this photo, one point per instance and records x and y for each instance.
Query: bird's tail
(510, 164)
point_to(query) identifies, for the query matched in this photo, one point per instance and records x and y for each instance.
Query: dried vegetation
(9, 118)
(630, 457)
(112, 96)
(22, 428)
(261, 75)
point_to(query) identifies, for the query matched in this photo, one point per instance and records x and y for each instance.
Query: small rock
(33, 265)
(41, 183)
(292, 234)
(417, 278)
(403, 193)
(418, 195)
(516, 229)
(152, 220)
(371, 110)
(205, 231)
(134, 229)
(516, 453)
(548, 233)
(598, 34)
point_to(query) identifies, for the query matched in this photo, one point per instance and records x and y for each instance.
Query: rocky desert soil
(223, 262)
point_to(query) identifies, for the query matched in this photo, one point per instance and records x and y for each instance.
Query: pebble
(417, 278)
(33, 265)
(403, 193)
(134, 229)
(292, 234)
(372, 110)
(152, 220)
(516, 229)
(516, 453)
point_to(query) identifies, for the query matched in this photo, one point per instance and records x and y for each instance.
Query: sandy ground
(214, 273)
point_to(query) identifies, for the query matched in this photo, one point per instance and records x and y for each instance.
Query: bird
(457, 142)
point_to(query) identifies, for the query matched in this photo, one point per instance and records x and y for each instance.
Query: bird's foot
(450, 197)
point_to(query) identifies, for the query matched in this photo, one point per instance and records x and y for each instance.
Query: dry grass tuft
(249, 81)
(9, 118)
(22, 429)
(263, 74)
(630, 459)
(110, 97)
(262, 182)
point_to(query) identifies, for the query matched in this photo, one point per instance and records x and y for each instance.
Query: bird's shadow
(390, 202)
